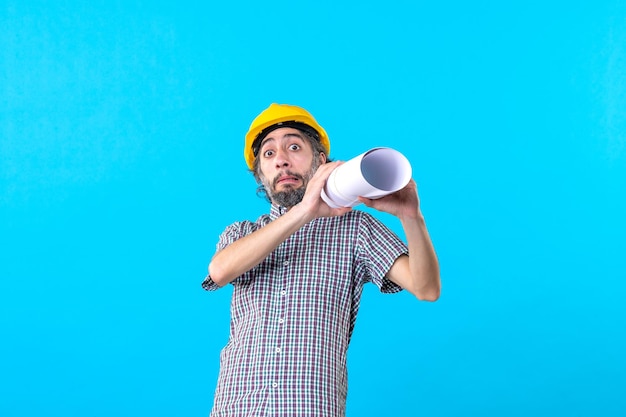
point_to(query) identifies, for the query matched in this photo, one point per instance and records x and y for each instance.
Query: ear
(323, 158)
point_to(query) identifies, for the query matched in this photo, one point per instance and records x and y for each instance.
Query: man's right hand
(245, 253)
(312, 206)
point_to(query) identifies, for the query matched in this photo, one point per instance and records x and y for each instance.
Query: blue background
(121, 135)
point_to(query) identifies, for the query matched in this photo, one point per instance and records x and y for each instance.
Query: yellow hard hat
(281, 115)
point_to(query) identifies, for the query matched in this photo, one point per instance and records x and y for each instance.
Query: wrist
(413, 217)
(300, 214)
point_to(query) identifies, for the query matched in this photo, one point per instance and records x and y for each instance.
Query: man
(298, 274)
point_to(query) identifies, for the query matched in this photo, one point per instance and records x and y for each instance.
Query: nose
(282, 159)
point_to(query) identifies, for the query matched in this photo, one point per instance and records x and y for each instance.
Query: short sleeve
(231, 234)
(378, 249)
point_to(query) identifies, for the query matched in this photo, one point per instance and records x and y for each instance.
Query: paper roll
(373, 174)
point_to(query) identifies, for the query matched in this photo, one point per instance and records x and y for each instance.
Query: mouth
(287, 180)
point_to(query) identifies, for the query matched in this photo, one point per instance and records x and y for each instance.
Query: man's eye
(294, 147)
(268, 153)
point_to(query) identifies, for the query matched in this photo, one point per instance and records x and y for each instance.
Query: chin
(287, 187)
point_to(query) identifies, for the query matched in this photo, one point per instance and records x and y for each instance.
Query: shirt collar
(276, 211)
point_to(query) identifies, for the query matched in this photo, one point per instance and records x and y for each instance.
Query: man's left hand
(403, 204)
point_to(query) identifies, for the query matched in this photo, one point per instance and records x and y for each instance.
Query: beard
(290, 196)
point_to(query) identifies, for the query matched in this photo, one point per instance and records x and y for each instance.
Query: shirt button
(281, 321)
(277, 350)
(286, 263)
(283, 292)
(274, 385)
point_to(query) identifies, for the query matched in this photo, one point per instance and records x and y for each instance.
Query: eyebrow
(286, 135)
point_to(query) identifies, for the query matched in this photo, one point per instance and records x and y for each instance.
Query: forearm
(247, 252)
(423, 264)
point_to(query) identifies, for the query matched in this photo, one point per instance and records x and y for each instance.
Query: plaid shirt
(293, 314)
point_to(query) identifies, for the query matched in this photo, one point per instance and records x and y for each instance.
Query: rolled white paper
(373, 174)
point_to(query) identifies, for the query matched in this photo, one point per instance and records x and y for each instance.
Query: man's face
(286, 164)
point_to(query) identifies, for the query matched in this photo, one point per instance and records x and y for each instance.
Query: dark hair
(317, 150)
(302, 127)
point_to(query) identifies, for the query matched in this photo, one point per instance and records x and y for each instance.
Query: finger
(324, 171)
(341, 211)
